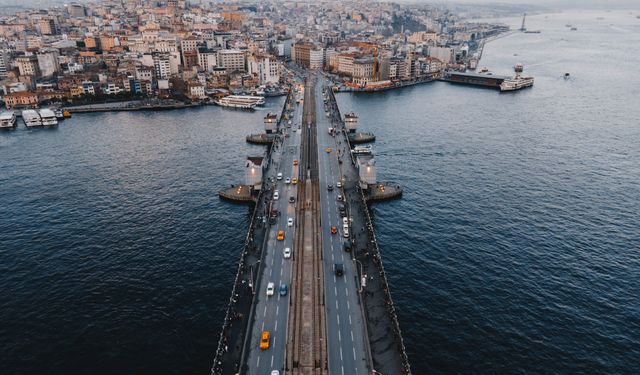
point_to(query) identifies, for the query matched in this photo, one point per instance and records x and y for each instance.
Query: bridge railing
(383, 276)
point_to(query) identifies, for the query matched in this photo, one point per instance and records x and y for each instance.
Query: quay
(310, 294)
(238, 193)
(133, 105)
(474, 79)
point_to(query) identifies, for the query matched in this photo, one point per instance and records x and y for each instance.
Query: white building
(162, 66)
(267, 68)
(232, 60)
(444, 54)
(253, 172)
(316, 58)
(48, 61)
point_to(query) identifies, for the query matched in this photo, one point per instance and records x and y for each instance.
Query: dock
(238, 193)
(474, 79)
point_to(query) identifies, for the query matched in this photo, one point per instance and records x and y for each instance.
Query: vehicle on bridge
(280, 235)
(294, 180)
(283, 290)
(270, 289)
(339, 269)
(290, 222)
(334, 230)
(330, 187)
(287, 252)
(265, 340)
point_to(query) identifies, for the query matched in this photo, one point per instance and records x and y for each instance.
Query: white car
(275, 372)
(290, 222)
(345, 221)
(339, 184)
(346, 232)
(287, 252)
(276, 195)
(279, 177)
(270, 289)
(287, 181)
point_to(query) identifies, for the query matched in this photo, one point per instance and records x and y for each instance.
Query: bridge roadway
(346, 346)
(271, 312)
(345, 325)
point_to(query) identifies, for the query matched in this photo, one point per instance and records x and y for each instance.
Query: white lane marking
(338, 316)
(276, 327)
(336, 304)
(262, 326)
(265, 311)
(332, 259)
(341, 367)
(258, 362)
(339, 336)
(346, 291)
(342, 256)
(274, 341)
(354, 353)
(349, 319)
(271, 271)
(354, 349)
(272, 361)
(341, 356)
(281, 269)
(335, 290)
(348, 306)
(277, 309)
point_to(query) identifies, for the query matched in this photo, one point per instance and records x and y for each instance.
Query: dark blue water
(516, 246)
(515, 249)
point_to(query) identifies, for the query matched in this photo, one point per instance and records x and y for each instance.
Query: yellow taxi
(280, 235)
(294, 180)
(328, 149)
(264, 341)
(295, 162)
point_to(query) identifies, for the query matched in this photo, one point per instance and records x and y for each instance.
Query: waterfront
(513, 250)
(515, 246)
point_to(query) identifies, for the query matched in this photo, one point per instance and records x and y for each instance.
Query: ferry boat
(48, 117)
(362, 150)
(31, 118)
(517, 82)
(59, 113)
(7, 120)
(240, 101)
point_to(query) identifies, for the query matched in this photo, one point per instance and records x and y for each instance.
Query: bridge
(311, 295)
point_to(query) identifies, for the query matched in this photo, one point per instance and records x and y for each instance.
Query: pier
(311, 295)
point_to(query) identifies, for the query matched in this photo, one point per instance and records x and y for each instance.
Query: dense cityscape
(247, 187)
(118, 50)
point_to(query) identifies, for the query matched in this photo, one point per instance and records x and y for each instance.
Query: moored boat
(7, 120)
(31, 118)
(240, 101)
(48, 117)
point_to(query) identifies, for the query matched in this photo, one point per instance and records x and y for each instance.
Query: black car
(292, 199)
(330, 187)
(339, 269)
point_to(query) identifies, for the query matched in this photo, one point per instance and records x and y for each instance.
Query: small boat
(66, 114)
(574, 28)
(58, 113)
(7, 120)
(566, 76)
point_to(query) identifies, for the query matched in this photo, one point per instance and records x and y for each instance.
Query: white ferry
(48, 117)
(7, 120)
(518, 82)
(240, 101)
(362, 150)
(31, 118)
